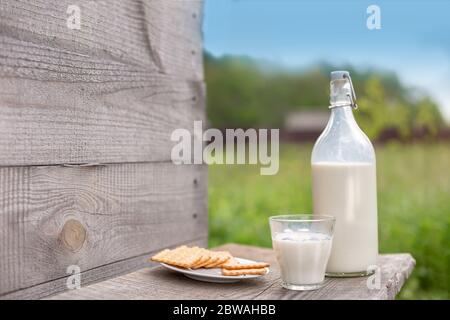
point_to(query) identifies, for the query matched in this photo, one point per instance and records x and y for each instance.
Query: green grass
(413, 206)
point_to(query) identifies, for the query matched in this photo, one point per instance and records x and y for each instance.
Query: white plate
(213, 274)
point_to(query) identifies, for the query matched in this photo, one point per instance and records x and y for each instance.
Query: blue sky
(414, 39)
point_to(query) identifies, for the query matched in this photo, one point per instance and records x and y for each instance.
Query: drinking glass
(302, 244)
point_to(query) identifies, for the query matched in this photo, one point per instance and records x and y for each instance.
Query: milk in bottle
(344, 184)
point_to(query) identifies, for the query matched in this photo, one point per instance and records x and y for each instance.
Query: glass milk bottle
(344, 184)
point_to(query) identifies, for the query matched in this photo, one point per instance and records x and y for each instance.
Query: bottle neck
(342, 114)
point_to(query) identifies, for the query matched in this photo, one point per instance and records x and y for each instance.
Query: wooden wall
(85, 123)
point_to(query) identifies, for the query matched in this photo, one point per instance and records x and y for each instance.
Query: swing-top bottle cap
(339, 75)
(342, 92)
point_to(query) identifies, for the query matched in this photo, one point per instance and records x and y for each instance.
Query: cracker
(182, 256)
(204, 260)
(160, 255)
(192, 257)
(195, 258)
(213, 260)
(222, 257)
(165, 254)
(174, 257)
(243, 272)
(217, 257)
(231, 262)
(239, 266)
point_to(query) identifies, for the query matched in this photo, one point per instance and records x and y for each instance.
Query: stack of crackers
(196, 257)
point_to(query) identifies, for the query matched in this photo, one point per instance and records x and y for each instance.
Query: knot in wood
(73, 235)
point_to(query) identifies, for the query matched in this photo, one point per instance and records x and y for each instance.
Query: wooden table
(158, 283)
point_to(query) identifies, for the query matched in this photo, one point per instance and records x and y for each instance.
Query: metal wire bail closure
(353, 94)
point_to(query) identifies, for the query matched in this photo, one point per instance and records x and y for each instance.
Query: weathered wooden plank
(157, 35)
(159, 283)
(395, 269)
(41, 61)
(89, 276)
(53, 217)
(45, 123)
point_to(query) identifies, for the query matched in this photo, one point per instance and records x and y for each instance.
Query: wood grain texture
(58, 123)
(125, 210)
(159, 283)
(95, 275)
(155, 35)
(110, 92)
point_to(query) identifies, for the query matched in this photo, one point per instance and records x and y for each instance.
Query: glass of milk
(302, 244)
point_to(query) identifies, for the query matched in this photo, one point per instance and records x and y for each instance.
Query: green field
(413, 206)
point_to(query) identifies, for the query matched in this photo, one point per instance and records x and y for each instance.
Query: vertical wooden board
(120, 212)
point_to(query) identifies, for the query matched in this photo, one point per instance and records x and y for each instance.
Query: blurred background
(267, 65)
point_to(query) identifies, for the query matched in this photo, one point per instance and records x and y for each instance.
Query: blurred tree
(244, 92)
(428, 116)
(379, 112)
